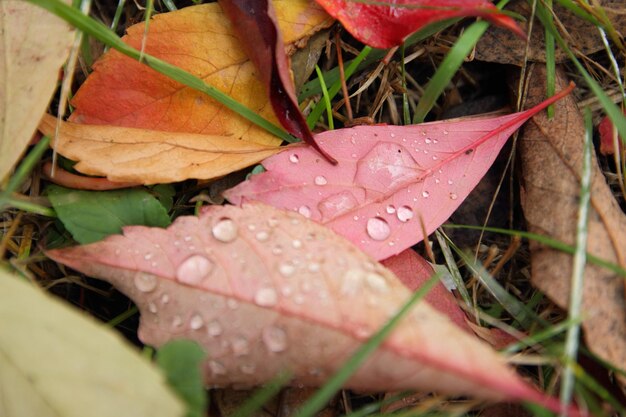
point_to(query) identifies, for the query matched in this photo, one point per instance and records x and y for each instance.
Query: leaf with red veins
(266, 291)
(387, 23)
(388, 180)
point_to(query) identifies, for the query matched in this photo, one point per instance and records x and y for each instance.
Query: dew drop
(286, 269)
(294, 158)
(376, 282)
(165, 298)
(437, 181)
(391, 209)
(240, 346)
(314, 267)
(266, 297)
(194, 269)
(435, 157)
(232, 303)
(117, 251)
(378, 228)
(445, 132)
(435, 141)
(320, 180)
(272, 222)
(353, 155)
(145, 282)
(214, 329)
(275, 339)
(277, 250)
(176, 322)
(216, 367)
(296, 243)
(148, 256)
(196, 322)
(225, 230)
(251, 227)
(428, 141)
(262, 236)
(152, 308)
(425, 194)
(453, 196)
(393, 135)
(405, 213)
(450, 182)
(305, 211)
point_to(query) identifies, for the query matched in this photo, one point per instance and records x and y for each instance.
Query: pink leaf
(388, 177)
(414, 271)
(266, 291)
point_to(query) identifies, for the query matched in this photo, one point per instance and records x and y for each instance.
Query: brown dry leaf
(125, 154)
(29, 70)
(551, 154)
(501, 46)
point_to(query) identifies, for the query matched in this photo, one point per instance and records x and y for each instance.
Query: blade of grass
(146, 27)
(449, 66)
(406, 115)
(105, 35)
(614, 113)
(27, 165)
(452, 267)
(262, 396)
(329, 109)
(578, 269)
(545, 240)
(324, 394)
(550, 66)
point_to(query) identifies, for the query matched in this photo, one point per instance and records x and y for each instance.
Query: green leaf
(165, 194)
(181, 361)
(55, 362)
(90, 216)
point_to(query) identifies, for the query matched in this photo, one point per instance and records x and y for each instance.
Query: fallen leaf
(57, 362)
(256, 25)
(387, 23)
(607, 132)
(499, 45)
(200, 40)
(93, 215)
(265, 291)
(387, 179)
(29, 71)
(414, 271)
(551, 154)
(125, 154)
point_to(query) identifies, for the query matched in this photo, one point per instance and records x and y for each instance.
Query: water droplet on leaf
(145, 282)
(405, 213)
(196, 322)
(214, 329)
(320, 180)
(294, 158)
(266, 297)
(305, 211)
(378, 228)
(194, 269)
(225, 230)
(275, 339)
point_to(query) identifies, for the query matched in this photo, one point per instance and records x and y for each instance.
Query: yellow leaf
(55, 362)
(125, 154)
(33, 46)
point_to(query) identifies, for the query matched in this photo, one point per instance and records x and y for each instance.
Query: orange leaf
(125, 154)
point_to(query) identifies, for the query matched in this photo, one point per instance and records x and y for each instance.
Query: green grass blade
(324, 394)
(262, 396)
(443, 240)
(105, 35)
(315, 114)
(578, 270)
(329, 108)
(28, 164)
(449, 66)
(547, 241)
(612, 111)
(550, 66)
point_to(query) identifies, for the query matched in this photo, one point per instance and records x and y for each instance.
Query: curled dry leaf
(29, 71)
(125, 154)
(388, 177)
(387, 23)
(551, 153)
(255, 24)
(266, 291)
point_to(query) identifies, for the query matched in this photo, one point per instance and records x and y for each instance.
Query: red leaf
(387, 179)
(607, 135)
(414, 271)
(385, 26)
(266, 291)
(256, 26)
